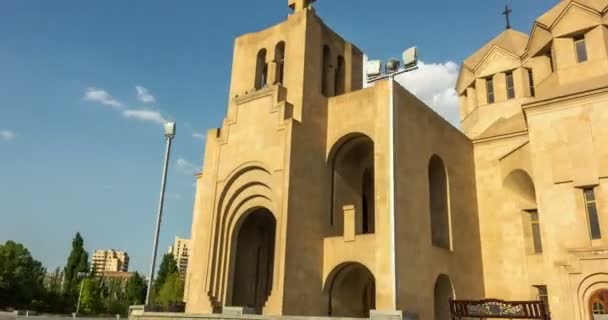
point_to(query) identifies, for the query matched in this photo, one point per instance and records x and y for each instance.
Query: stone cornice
(501, 136)
(555, 102)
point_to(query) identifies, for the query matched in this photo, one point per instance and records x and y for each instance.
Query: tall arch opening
(443, 292)
(598, 303)
(351, 289)
(340, 77)
(279, 59)
(522, 199)
(261, 70)
(439, 203)
(352, 164)
(325, 72)
(252, 263)
(367, 200)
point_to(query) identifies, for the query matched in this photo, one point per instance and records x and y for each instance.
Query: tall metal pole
(391, 192)
(79, 296)
(392, 137)
(161, 202)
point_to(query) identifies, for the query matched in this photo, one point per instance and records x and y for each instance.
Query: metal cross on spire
(298, 5)
(507, 12)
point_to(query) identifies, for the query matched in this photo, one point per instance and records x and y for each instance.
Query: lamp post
(374, 73)
(80, 276)
(169, 128)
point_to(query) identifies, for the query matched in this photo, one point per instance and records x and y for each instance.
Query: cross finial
(507, 12)
(297, 5)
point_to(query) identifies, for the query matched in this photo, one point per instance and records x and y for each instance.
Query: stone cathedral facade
(292, 213)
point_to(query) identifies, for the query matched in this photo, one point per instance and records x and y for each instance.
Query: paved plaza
(11, 316)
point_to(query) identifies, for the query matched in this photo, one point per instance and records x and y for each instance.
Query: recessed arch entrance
(252, 261)
(598, 303)
(442, 294)
(351, 291)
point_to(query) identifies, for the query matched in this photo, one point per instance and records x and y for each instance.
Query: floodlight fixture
(170, 128)
(374, 68)
(410, 57)
(392, 65)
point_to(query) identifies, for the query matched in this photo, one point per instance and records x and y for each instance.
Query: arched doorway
(443, 292)
(352, 165)
(598, 303)
(253, 260)
(351, 288)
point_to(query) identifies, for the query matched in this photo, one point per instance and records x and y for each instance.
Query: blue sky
(81, 150)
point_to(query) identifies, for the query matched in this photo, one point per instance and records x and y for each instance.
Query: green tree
(135, 290)
(21, 277)
(90, 301)
(77, 262)
(113, 296)
(53, 283)
(171, 291)
(167, 267)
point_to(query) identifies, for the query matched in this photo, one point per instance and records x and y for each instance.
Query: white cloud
(174, 196)
(195, 134)
(435, 83)
(7, 135)
(144, 115)
(186, 167)
(103, 97)
(198, 135)
(144, 95)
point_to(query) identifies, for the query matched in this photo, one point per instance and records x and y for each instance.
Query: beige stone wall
(236, 155)
(550, 146)
(422, 133)
(309, 187)
(569, 143)
(270, 152)
(364, 112)
(562, 154)
(504, 257)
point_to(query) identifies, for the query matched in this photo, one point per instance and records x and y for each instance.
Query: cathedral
(323, 196)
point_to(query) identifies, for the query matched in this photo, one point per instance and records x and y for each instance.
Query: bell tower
(298, 5)
(301, 55)
(267, 166)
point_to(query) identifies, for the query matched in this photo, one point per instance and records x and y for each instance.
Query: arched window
(279, 59)
(261, 70)
(439, 203)
(325, 71)
(339, 79)
(521, 192)
(352, 164)
(598, 308)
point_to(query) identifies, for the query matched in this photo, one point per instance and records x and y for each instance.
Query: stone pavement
(11, 316)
